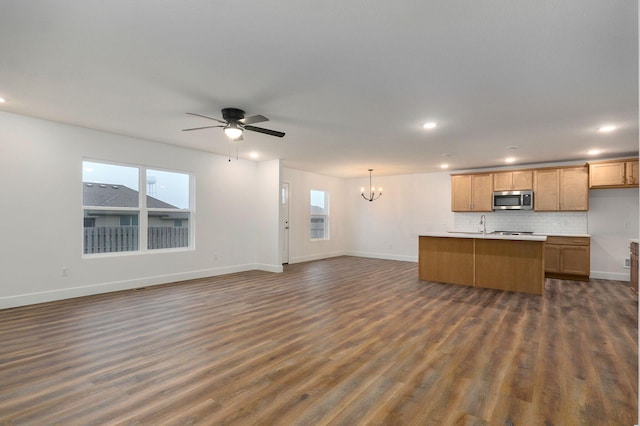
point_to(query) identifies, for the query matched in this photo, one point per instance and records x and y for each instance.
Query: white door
(284, 215)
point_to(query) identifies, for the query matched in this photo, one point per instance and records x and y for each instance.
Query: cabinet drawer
(568, 241)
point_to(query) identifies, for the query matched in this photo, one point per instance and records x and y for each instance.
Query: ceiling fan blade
(265, 131)
(210, 118)
(199, 128)
(253, 119)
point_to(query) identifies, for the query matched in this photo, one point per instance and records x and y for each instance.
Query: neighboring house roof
(317, 210)
(114, 195)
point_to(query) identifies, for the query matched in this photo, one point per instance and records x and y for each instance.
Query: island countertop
(487, 236)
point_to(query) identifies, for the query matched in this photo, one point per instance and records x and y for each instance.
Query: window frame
(142, 211)
(326, 215)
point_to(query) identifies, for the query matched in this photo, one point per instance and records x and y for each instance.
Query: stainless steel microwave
(513, 200)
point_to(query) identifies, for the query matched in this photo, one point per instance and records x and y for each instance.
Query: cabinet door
(606, 174)
(481, 193)
(574, 189)
(546, 191)
(461, 193)
(631, 171)
(551, 258)
(522, 180)
(502, 181)
(575, 260)
(517, 180)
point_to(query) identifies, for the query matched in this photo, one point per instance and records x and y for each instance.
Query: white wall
(40, 187)
(613, 220)
(389, 226)
(301, 247)
(267, 192)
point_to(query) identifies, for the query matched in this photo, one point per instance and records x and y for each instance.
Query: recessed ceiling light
(593, 152)
(509, 160)
(2, 100)
(254, 155)
(444, 166)
(430, 125)
(606, 129)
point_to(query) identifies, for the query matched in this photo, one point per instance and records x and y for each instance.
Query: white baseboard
(616, 276)
(385, 256)
(308, 258)
(269, 268)
(71, 292)
(356, 254)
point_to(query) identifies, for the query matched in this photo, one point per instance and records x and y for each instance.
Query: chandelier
(372, 194)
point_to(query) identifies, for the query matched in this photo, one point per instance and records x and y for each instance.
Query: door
(284, 217)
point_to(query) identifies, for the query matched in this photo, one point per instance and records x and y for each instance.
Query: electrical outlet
(64, 271)
(627, 263)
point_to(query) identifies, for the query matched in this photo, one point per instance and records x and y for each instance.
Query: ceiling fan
(234, 123)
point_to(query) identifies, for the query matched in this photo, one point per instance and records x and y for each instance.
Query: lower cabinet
(568, 257)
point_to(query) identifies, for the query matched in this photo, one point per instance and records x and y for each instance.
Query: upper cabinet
(561, 189)
(516, 180)
(471, 193)
(614, 174)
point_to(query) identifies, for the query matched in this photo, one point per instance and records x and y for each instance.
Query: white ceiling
(350, 82)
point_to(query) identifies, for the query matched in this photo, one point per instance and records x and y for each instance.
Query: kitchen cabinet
(614, 174)
(561, 189)
(633, 278)
(471, 193)
(517, 180)
(568, 257)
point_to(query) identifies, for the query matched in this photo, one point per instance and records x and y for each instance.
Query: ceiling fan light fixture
(233, 131)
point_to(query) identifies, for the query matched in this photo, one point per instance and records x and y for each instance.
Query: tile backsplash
(539, 222)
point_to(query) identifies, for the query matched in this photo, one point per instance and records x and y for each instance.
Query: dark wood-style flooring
(341, 341)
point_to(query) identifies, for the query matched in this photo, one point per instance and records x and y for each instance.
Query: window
(129, 220)
(121, 210)
(319, 215)
(167, 204)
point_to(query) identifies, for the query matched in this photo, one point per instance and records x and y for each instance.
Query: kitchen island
(502, 262)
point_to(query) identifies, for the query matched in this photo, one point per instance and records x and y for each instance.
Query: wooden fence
(109, 239)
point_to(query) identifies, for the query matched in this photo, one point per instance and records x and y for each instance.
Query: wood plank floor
(341, 341)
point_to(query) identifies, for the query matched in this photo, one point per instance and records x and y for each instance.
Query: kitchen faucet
(483, 222)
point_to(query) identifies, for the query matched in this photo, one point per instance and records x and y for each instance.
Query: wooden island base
(502, 264)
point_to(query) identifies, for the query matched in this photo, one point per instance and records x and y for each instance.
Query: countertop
(487, 236)
(555, 234)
